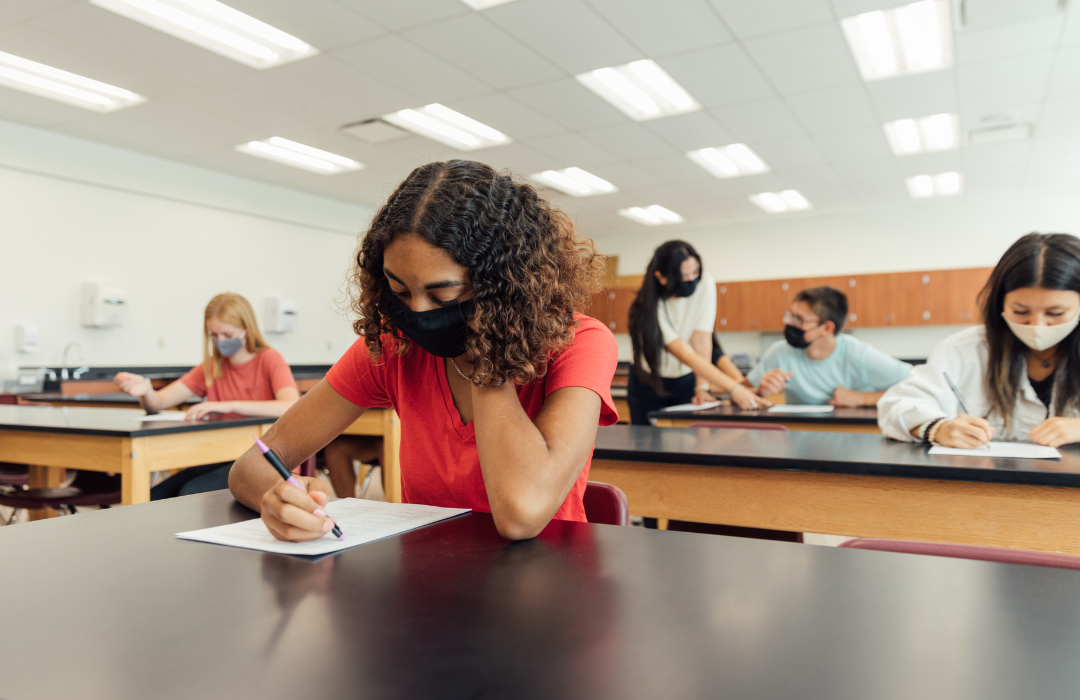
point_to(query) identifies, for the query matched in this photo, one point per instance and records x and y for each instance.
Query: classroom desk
(113, 440)
(111, 400)
(450, 611)
(384, 423)
(841, 420)
(842, 484)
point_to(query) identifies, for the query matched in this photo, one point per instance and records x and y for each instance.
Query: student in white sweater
(1019, 373)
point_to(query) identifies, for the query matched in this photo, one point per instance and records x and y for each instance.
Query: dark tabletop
(110, 605)
(119, 398)
(836, 453)
(124, 422)
(846, 416)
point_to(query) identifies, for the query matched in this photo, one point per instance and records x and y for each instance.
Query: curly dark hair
(529, 270)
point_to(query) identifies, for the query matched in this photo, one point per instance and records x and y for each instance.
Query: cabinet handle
(612, 325)
(784, 286)
(926, 315)
(723, 289)
(854, 317)
(851, 283)
(723, 322)
(611, 295)
(926, 279)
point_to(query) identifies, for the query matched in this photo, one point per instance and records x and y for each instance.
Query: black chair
(88, 489)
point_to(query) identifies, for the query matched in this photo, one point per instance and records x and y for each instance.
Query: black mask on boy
(685, 288)
(442, 332)
(796, 337)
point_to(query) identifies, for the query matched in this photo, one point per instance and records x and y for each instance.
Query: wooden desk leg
(44, 478)
(134, 475)
(391, 455)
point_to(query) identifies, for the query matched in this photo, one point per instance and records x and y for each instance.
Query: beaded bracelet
(932, 429)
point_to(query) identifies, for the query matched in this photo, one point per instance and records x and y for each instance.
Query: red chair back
(967, 551)
(605, 504)
(307, 467)
(748, 425)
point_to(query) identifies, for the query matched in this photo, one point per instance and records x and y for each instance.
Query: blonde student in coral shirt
(240, 374)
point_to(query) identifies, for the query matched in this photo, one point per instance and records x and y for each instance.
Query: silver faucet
(64, 361)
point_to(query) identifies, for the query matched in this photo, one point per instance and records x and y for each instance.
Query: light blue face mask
(229, 346)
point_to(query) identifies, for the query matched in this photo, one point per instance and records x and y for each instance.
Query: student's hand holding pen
(964, 431)
(294, 515)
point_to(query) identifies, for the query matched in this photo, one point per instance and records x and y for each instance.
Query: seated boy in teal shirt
(817, 365)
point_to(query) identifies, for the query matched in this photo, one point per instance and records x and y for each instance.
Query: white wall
(172, 235)
(968, 232)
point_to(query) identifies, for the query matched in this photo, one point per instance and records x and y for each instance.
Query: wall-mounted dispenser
(103, 306)
(282, 316)
(27, 338)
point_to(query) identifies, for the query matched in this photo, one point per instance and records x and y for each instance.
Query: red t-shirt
(258, 379)
(439, 462)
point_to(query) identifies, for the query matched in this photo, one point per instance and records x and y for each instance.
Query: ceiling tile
(760, 120)
(1065, 77)
(1011, 154)
(1047, 149)
(470, 41)
(854, 144)
(805, 59)
(569, 103)
(1071, 35)
(329, 80)
(661, 28)
(81, 23)
(875, 169)
(790, 153)
(687, 132)
(15, 11)
(400, 62)
(672, 169)
(567, 32)
(914, 95)
(930, 163)
(402, 15)
(834, 109)
(747, 19)
(19, 106)
(629, 141)
(502, 112)
(880, 193)
(1004, 82)
(1060, 118)
(753, 184)
(325, 24)
(718, 76)
(627, 176)
(1053, 176)
(972, 46)
(572, 150)
(993, 180)
(520, 159)
(847, 8)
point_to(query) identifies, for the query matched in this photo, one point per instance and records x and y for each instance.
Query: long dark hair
(1046, 261)
(644, 324)
(529, 269)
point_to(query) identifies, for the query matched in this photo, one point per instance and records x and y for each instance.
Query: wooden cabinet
(893, 299)
(600, 306)
(954, 295)
(760, 305)
(612, 308)
(844, 283)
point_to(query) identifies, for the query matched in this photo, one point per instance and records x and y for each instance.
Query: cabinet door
(954, 295)
(843, 283)
(771, 298)
(735, 305)
(600, 306)
(621, 300)
(893, 299)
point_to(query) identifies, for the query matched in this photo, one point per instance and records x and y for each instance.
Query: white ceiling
(775, 74)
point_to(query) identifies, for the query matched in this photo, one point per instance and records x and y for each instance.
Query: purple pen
(276, 463)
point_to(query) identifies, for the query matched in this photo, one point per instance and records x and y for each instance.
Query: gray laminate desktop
(110, 605)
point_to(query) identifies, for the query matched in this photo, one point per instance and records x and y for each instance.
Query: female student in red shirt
(466, 290)
(240, 374)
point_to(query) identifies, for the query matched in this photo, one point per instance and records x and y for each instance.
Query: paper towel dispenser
(103, 306)
(282, 316)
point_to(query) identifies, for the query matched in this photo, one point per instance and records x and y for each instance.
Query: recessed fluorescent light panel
(780, 202)
(448, 127)
(217, 27)
(905, 40)
(641, 90)
(299, 156)
(940, 185)
(653, 215)
(574, 182)
(729, 161)
(56, 84)
(940, 132)
(484, 4)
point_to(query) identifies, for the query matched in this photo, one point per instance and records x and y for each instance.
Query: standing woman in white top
(671, 326)
(1019, 373)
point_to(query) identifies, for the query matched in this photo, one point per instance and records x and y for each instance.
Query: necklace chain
(459, 370)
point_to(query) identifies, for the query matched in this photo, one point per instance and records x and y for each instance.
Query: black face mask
(796, 337)
(442, 332)
(685, 288)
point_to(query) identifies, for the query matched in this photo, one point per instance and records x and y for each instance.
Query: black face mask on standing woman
(442, 332)
(686, 288)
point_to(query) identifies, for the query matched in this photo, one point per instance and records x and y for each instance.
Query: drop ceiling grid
(776, 74)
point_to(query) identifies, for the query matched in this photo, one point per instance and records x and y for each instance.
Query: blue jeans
(209, 477)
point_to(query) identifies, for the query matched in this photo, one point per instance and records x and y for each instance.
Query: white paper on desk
(165, 415)
(1004, 450)
(800, 408)
(361, 521)
(692, 406)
